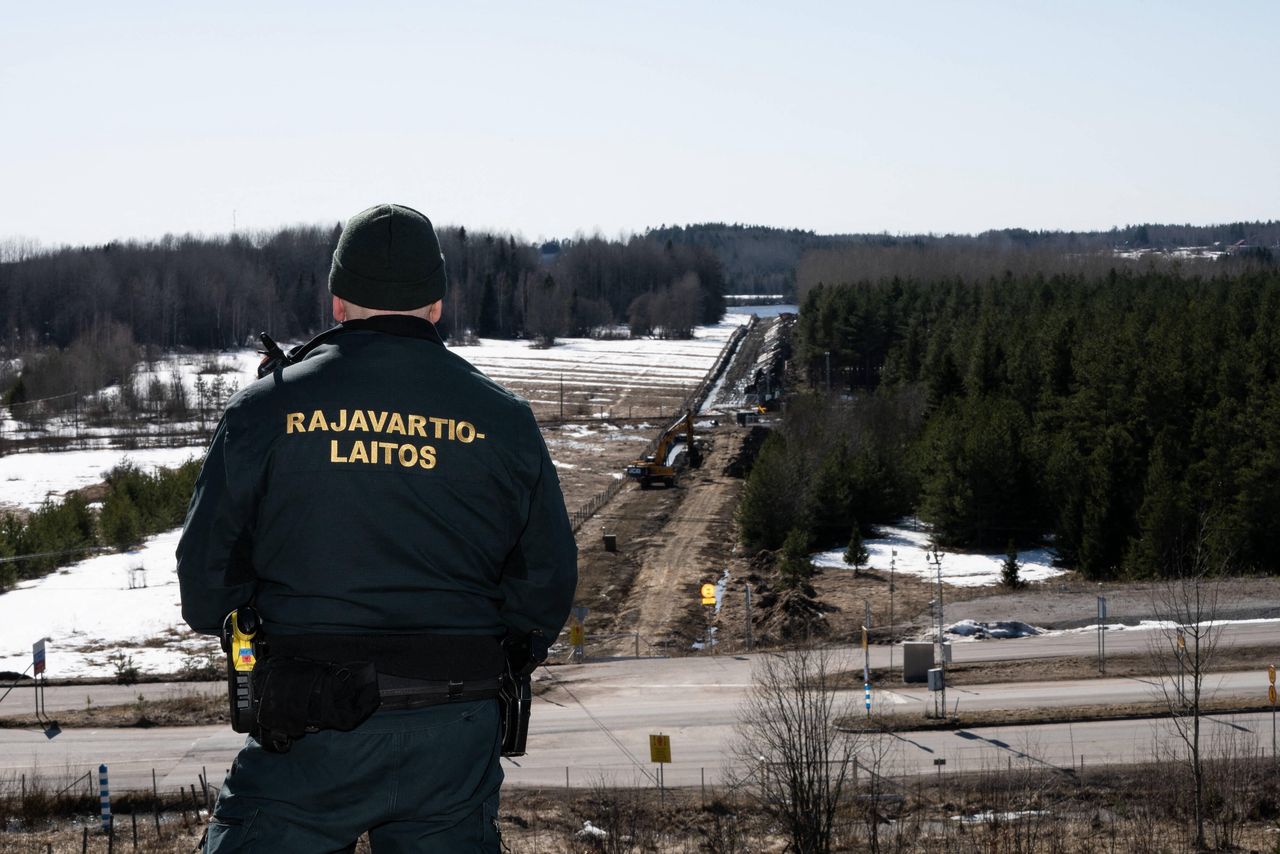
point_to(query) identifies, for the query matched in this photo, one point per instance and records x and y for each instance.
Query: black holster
(515, 693)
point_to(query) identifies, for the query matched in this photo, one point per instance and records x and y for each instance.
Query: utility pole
(893, 557)
(866, 654)
(942, 656)
(828, 355)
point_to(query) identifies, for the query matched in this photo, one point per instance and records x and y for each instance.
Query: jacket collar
(403, 325)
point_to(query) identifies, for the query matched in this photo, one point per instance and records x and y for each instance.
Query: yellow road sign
(1271, 673)
(708, 594)
(575, 635)
(1271, 694)
(659, 748)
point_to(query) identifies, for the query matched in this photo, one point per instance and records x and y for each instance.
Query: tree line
(762, 260)
(77, 316)
(1129, 417)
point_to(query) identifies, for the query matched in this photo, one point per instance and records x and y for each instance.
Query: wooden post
(155, 803)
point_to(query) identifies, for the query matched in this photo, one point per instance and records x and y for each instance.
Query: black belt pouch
(300, 695)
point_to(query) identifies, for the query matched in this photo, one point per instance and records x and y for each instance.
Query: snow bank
(999, 630)
(1164, 625)
(909, 549)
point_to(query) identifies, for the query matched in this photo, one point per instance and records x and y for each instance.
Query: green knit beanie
(388, 257)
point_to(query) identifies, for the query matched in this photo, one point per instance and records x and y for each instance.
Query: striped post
(866, 688)
(104, 794)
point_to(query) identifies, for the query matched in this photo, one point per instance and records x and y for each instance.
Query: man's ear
(435, 310)
(339, 310)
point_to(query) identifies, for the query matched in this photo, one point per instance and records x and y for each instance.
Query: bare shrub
(1183, 654)
(802, 762)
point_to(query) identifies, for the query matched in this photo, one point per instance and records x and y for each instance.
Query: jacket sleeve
(541, 573)
(215, 570)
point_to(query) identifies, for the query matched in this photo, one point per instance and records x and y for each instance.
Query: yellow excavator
(658, 467)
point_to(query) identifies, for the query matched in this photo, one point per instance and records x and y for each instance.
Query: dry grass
(193, 708)
(1014, 811)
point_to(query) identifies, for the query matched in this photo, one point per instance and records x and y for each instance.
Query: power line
(603, 728)
(81, 550)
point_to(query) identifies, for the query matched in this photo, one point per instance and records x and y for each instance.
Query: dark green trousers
(424, 780)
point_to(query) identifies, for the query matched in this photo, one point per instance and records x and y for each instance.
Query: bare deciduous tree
(1183, 652)
(802, 763)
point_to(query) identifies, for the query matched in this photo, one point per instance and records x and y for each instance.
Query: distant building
(549, 251)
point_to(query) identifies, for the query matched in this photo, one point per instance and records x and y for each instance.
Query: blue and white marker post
(104, 795)
(866, 657)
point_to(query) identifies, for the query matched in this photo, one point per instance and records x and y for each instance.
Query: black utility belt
(295, 696)
(402, 693)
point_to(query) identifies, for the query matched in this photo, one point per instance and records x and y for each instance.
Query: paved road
(694, 700)
(21, 701)
(1084, 645)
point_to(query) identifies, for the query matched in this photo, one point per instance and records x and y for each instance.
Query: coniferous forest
(1131, 417)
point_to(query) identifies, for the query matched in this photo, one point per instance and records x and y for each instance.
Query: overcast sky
(134, 119)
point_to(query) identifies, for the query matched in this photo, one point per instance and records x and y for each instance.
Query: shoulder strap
(273, 358)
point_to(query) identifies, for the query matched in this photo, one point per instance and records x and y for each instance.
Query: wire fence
(692, 401)
(85, 421)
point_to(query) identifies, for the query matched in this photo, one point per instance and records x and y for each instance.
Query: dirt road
(669, 542)
(692, 549)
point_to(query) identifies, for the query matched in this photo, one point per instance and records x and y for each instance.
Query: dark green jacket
(381, 485)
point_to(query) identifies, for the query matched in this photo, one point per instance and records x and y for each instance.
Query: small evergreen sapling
(795, 569)
(1009, 572)
(856, 554)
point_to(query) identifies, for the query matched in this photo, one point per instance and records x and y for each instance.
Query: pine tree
(794, 568)
(121, 521)
(767, 511)
(1009, 572)
(856, 554)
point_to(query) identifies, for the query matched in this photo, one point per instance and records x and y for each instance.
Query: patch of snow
(720, 587)
(27, 479)
(590, 831)
(87, 611)
(999, 629)
(990, 817)
(909, 549)
(1163, 625)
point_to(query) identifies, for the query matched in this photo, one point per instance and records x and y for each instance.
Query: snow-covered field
(909, 550)
(600, 378)
(88, 612)
(27, 479)
(604, 378)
